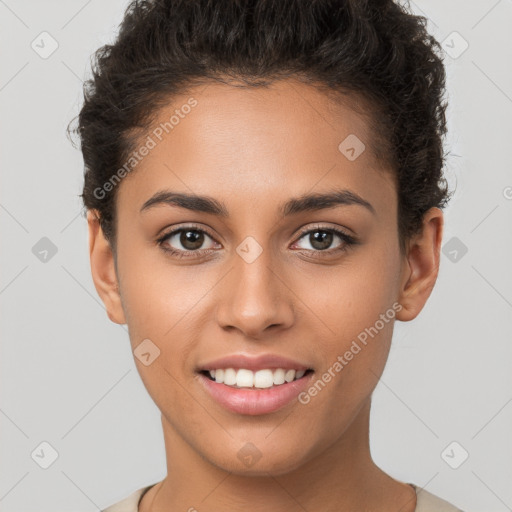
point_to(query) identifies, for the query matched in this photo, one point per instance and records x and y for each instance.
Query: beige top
(426, 502)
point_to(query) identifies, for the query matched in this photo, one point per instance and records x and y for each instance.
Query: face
(319, 285)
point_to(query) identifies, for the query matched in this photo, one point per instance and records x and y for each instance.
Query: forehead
(275, 141)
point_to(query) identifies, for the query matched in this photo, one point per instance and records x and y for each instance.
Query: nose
(255, 297)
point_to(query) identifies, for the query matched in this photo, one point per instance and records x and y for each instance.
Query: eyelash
(347, 240)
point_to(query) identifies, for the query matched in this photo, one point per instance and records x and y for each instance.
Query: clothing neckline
(146, 489)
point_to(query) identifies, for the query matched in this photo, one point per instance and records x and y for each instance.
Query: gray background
(67, 374)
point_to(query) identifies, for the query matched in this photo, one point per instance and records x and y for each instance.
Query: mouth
(254, 393)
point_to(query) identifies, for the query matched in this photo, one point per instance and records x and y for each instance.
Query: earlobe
(103, 269)
(422, 265)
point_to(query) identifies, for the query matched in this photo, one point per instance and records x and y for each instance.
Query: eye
(321, 239)
(189, 239)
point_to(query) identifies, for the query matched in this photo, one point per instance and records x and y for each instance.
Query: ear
(422, 265)
(103, 269)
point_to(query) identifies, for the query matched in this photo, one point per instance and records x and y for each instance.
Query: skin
(253, 149)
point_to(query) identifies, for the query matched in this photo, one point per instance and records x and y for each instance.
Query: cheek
(155, 295)
(159, 307)
(351, 357)
(352, 296)
(166, 305)
(357, 303)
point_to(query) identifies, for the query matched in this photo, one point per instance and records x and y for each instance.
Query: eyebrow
(306, 202)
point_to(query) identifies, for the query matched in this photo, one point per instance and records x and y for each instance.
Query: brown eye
(191, 240)
(321, 239)
(186, 240)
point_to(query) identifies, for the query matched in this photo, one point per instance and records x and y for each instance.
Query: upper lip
(254, 363)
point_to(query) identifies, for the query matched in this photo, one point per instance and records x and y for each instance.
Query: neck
(341, 477)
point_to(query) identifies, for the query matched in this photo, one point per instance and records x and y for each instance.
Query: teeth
(229, 377)
(289, 375)
(244, 378)
(261, 379)
(279, 377)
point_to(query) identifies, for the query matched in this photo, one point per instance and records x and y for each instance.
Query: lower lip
(252, 401)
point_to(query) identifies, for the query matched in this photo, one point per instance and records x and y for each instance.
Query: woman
(264, 189)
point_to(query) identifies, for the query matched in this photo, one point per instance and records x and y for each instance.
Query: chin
(250, 461)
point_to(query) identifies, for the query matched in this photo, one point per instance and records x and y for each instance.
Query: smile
(261, 379)
(258, 393)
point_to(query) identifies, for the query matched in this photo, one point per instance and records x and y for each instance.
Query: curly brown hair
(376, 49)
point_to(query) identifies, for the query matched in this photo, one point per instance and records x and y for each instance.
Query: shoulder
(428, 502)
(130, 503)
